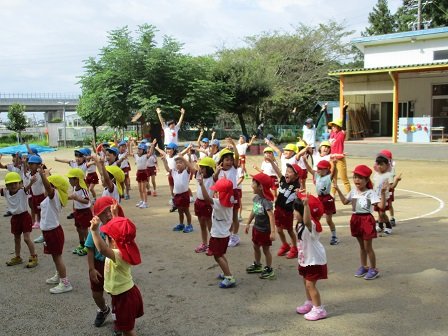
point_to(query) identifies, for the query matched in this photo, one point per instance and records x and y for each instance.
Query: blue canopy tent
(23, 150)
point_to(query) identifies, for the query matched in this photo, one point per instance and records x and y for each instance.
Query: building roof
(424, 34)
(395, 68)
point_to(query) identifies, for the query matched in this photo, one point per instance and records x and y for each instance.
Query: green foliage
(381, 21)
(435, 11)
(17, 121)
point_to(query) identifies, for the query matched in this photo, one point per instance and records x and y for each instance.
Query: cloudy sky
(43, 43)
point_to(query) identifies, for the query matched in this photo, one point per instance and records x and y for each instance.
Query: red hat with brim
(225, 189)
(364, 171)
(386, 153)
(266, 183)
(324, 164)
(103, 203)
(295, 167)
(123, 231)
(316, 209)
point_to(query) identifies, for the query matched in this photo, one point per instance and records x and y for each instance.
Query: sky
(43, 43)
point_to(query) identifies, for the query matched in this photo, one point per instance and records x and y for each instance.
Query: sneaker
(361, 272)
(101, 316)
(39, 239)
(387, 232)
(179, 227)
(392, 222)
(378, 229)
(192, 199)
(144, 205)
(36, 225)
(173, 208)
(82, 252)
(201, 248)
(305, 308)
(334, 241)
(32, 262)
(316, 314)
(240, 219)
(61, 288)
(234, 240)
(254, 268)
(220, 276)
(293, 253)
(268, 273)
(76, 250)
(154, 193)
(188, 228)
(126, 197)
(209, 252)
(118, 333)
(71, 216)
(7, 214)
(228, 282)
(283, 249)
(138, 204)
(171, 202)
(53, 280)
(371, 274)
(14, 261)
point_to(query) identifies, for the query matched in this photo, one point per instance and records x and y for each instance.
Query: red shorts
(21, 223)
(386, 208)
(126, 170)
(274, 182)
(303, 173)
(54, 241)
(261, 238)
(98, 287)
(328, 203)
(283, 219)
(127, 307)
(237, 194)
(92, 178)
(170, 181)
(37, 199)
(243, 159)
(182, 200)
(202, 209)
(82, 218)
(142, 175)
(363, 226)
(151, 171)
(218, 246)
(313, 272)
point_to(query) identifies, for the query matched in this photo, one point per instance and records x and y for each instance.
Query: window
(440, 55)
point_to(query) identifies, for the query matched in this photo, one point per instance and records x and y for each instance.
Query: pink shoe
(201, 248)
(283, 249)
(293, 253)
(317, 313)
(154, 193)
(36, 225)
(305, 308)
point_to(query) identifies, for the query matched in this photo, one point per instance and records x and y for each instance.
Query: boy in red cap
(122, 252)
(322, 179)
(263, 232)
(312, 257)
(362, 223)
(222, 218)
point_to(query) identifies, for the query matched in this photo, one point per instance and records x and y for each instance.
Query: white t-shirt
(152, 161)
(239, 174)
(141, 161)
(266, 167)
(222, 218)
(216, 157)
(171, 135)
(181, 181)
(20, 170)
(208, 182)
(311, 250)
(309, 135)
(115, 195)
(50, 209)
(82, 193)
(378, 180)
(317, 158)
(83, 166)
(323, 184)
(91, 169)
(37, 188)
(230, 174)
(171, 162)
(284, 161)
(362, 201)
(125, 162)
(202, 154)
(242, 148)
(17, 203)
(301, 162)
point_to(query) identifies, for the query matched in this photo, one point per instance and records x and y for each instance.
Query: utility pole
(419, 15)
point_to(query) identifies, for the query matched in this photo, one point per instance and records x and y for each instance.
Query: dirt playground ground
(180, 291)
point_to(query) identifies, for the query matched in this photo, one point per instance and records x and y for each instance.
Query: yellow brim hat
(79, 174)
(118, 174)
(62, 186)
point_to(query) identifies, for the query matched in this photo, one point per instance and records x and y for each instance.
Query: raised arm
(236, 156)
(274, 147)
(47, 185)
(205, 194)
(104, 173)
(201, 133)
(62, 160)
(252, 140)
(306, 213)
(309, 168)
(100, 244)
(165, 164)
(181, 119)
(275, 167)
(159, 114)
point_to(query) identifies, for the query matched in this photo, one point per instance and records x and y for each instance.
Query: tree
(381, 21)
(17, 121)
(434, 14)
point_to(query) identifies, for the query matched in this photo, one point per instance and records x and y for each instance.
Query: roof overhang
(401, 69)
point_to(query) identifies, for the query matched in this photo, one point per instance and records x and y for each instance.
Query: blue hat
(106, 144)
(80, 152)
(205, 140)
(171, 145)
(113, 150)
(18, 154)
(122, 143)
(85, 151)
(215, 142)
(144, 140)
(34, 150)
(34, 159)
(142, 146)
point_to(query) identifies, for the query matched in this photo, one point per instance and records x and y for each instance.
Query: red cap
(266, 183)
(324, 164)
(225, 189)
(104, 202)
(386, 153)
(294, 167)
(363, 170)
(123, 231)
(316, 209)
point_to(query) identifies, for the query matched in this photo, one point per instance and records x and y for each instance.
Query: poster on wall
(414, 129)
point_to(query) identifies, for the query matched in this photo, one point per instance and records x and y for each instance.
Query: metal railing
(35, 95)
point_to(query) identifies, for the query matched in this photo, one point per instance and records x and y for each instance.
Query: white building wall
(406, 53)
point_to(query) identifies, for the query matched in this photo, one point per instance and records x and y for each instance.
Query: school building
(402, 88)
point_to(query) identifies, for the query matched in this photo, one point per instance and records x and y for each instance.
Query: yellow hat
(325, 143)
(208, 162)
(301, 144)
(224, 152)
(62, 186)
(337, 122)
(12, 177)
(291, 147)
(118, 174)
(79, 174)
(268, 149)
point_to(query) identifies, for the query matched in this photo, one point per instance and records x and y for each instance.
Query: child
(111, 176)
(239, 190)
(309, 133)
(17, 200)
(95, 259)
(215, 147)
(170, 128)
(56, 188)
(284, 211)
(322, 179)
(312, 257)
(37, 190)
(124, 165)
(202, 209)
(151, 171)
(263, 232)
(266, 168)
(181, 179)
(91, 175)
(241, 147)
(203, 146)
(169, 153)
(337, 139)
(221, 222)
(302, 155)
(362, 223)
(121, 253)
(81, 205)
(141, 160)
